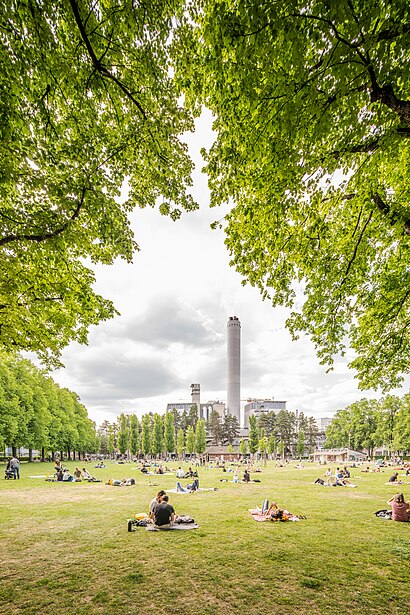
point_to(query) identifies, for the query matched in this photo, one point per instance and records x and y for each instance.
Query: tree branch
(103, 70)
(385, 209)
(46, 235)
(395, 31)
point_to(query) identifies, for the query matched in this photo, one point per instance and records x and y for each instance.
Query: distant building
(258, 407)
(205, 409)
(323, 423)
(338, 455)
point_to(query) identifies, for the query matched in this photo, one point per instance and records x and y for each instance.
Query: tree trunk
(30, 454)
(14, 449)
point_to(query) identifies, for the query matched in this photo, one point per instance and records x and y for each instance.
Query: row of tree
(371, 423)
(284, 432)
(153, 435)
(36, 413)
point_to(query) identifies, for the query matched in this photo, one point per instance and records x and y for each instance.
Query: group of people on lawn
(400, 508)
(341, 478)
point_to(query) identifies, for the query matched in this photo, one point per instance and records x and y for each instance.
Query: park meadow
(66, 548)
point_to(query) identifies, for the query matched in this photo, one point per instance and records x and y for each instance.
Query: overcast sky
(175, 301)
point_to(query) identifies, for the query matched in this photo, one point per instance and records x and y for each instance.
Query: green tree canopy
(123, 434)
(300, 446)
(354, 427)
(271, 444)
(312, 115)
(281, 448)
(388, 412)
(190, 440)
(169, 432)
(134, 435)
(200, 437)
(146, 439)
(88, 104)
(253, 440)
(401, 430)
(180, 442)
(215, 426)
(230, 428)
(157, 443)
(243, 447)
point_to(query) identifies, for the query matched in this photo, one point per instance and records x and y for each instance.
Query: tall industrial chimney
(196, 398)
(234, 367)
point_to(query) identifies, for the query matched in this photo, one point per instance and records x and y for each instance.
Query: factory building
(258, 407)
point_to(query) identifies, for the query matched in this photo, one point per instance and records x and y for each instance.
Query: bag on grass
(181, 519)
(384, 514)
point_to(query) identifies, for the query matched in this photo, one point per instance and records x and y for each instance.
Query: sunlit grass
(65, 547)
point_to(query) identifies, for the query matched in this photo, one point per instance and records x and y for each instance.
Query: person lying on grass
(274, 513)
(194, 486)
(125, 482)
(400, 508)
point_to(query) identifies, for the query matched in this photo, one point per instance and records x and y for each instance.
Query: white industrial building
(258, 407)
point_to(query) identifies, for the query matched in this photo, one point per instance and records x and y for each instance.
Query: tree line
(37, 414)
(371, 423)
(154, 434)
(281, 433)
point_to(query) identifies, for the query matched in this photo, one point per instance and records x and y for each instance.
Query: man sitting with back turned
(164, 514)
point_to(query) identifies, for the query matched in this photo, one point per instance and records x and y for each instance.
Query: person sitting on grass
(393, 478)
(246, 476)
(86, 474)
(77, 475)
(155, 501)
(67, 477)
(194, 486)
(400, 508)
(164, 514)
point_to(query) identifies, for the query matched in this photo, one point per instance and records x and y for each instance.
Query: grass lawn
(65, 547)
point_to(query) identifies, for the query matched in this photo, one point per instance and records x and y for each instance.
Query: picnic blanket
(181, 526)
(259, 516)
